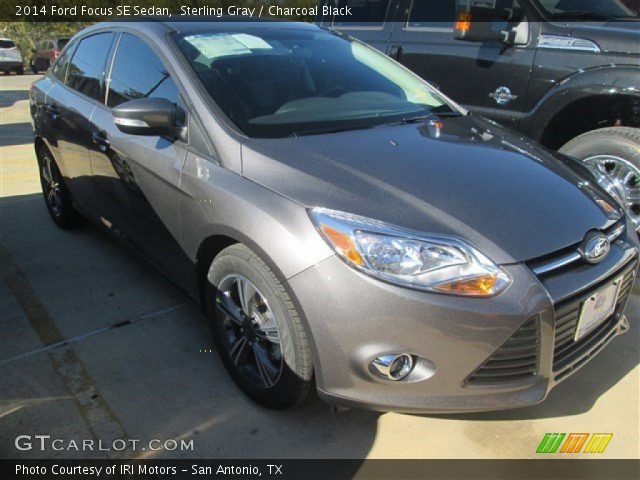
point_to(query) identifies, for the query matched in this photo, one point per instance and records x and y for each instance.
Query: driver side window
(137, 72)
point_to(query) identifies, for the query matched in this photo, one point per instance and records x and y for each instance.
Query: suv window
(369, 13)
(137, 72)
(60, 67)
(7, 44)
(432, 13)
(87, 65)
(62, 42)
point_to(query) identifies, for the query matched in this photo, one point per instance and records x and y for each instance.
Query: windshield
(580, 9)
(276, 82)
(7, 44)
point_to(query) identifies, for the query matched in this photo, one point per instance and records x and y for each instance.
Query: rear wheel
(257, 330)
(20, 71)
(613, 155)
(56, 194)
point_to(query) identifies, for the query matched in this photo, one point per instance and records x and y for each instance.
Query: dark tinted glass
(60, 67)
(432, 13)
(368, 13)
(278, 82)
(138, 72)
(85, 70)
(7, 44)
(62, 42)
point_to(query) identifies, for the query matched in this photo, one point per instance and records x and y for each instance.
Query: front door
(487, 77)
(137, 178)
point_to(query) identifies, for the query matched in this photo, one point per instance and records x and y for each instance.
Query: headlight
(426, 262)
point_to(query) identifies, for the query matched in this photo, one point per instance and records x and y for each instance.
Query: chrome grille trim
(546, 266)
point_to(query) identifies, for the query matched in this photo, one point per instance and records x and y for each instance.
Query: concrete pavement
(95, 345)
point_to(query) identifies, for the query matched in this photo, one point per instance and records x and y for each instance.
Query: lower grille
(516, 359)
(568, 354)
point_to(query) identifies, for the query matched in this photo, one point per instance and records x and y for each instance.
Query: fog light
(392, 367)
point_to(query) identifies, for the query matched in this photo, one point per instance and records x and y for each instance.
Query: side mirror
(476, 24)
(150, 116)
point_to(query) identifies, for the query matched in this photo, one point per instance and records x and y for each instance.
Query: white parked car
(10, 57)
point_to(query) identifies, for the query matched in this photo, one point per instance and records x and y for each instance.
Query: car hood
(462, 176)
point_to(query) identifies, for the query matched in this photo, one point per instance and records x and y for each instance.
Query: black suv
(564, 72)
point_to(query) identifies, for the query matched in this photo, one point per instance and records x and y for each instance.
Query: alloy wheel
(52, 187)
(250, 333)
(621, 179)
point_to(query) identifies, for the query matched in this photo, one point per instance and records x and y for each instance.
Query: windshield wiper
(422, 118)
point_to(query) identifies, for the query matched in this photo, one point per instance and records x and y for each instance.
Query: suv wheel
(613, 155)
(20, 71)
(257, 330)
(56, 194)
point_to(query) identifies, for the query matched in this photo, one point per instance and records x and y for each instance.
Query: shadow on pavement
(9, 97)
(151, 378)
(16, 134)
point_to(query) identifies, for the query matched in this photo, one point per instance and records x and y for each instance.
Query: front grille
(568, 354)
(516, 359)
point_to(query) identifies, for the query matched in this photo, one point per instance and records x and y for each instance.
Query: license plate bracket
(597, 308)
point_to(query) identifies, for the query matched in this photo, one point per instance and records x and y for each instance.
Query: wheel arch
(599, 97)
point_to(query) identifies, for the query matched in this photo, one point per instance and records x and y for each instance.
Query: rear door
(470, 72)
(370, 21)
(137, 178)
(69, 106)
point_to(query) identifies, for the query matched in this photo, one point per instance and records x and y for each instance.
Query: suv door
(371, 21)
(137, 178)
(69, 105)
(472, 73)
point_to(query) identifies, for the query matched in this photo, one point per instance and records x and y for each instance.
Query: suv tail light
(56, 53)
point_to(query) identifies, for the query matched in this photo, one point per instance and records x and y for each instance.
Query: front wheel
(613, 155)
(257, 330)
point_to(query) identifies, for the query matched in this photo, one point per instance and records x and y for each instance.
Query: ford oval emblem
(595, 247)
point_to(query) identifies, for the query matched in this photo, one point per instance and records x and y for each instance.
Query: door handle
(100, 139)
(52, 111)
(396, 52)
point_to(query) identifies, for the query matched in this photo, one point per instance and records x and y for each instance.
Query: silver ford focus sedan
(346, 227)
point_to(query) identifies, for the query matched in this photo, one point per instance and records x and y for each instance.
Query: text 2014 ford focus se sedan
(345, 226)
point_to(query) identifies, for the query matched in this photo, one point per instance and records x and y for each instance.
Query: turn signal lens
(343, 244)
(478, 287)
(463, 21)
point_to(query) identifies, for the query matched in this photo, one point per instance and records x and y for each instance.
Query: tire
(60, 208)
(615, 154)
(20, 71)
(294, 379)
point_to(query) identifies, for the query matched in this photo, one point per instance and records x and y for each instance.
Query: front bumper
(353, 318)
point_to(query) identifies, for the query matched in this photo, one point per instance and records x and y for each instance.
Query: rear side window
(62, 42)
(60, 67)
(7, 44)
(370, 13)
(137, 72)
(86, 68)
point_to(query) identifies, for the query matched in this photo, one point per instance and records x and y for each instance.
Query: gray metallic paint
(507, 196)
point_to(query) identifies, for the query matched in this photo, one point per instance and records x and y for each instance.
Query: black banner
(563, 469)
